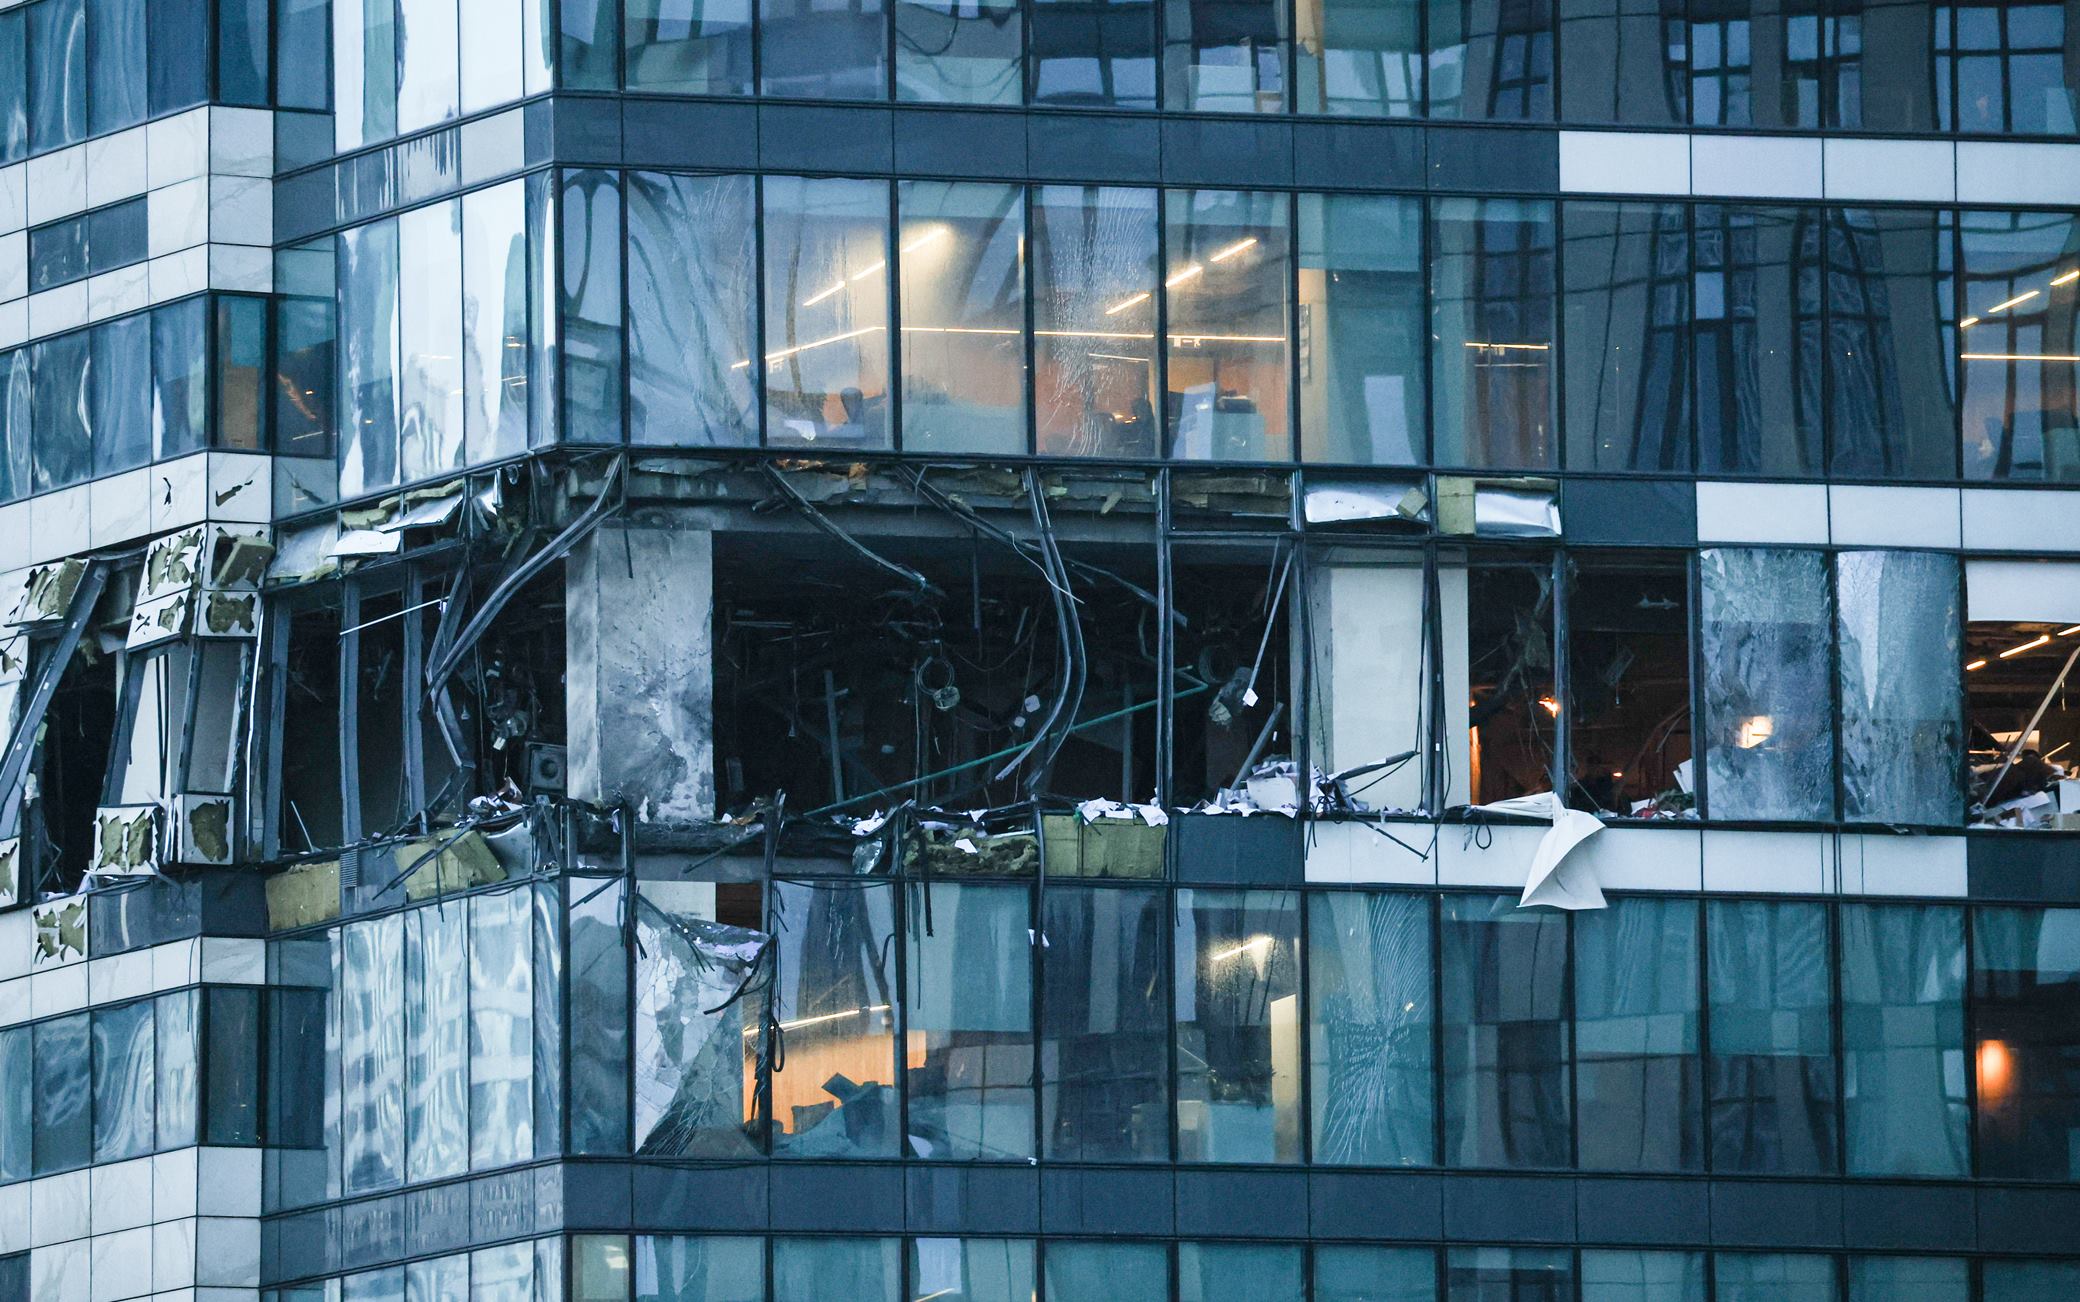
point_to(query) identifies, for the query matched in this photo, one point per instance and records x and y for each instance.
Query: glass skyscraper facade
(1017, 650)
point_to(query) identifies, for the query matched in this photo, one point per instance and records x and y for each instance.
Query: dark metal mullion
(350, 720)
(1700, 936)
(891, 248)
(1029, 346)
(1700, 796)
(1562, 768)
(1294, 447)
(1159, 361)
(758, 298)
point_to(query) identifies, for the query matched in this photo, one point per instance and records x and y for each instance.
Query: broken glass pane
(1370, 1028)
(970, 1006)
(1902, 717)
(1769, 748)
(1238, 1032)
(599, 1039)
(697, 1025)
(834, 994)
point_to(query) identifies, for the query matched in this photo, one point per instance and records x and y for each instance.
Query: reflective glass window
(1491, 59)
(1771, 1072)
(57, 73)
(429, 311)
(305, 350)
(444, 1279)
(1772, 1277)
(1756, 309)
(1638, 1075)
(63, 446)
(125, 1095)
(1931, 1279)
(177, 73)
(57, 253)
(1626, 310)
(231, 1079)
(63, 1093)
(2026, 1034)
(180, 390)
(2020, 337)
(2006, 67)
(368, 336)
(1622, 61)
(501, 1029)
(120, 393)
(692, 311)
(364, 71)
(1093, 53)
(1239, 1272)
(2029, 1281)
(1103, 1272)
(697, 1022)
(1358, 59)
(599, 1050)
(815, 1270)
(1104, 1026)
(961, 250)
(1756, 63)
(1891, 336)
(834, 996)
(1228, 295)
(689, 47)
(436, 1016)
(969, 1021)
(1903, 1077)
(428, 64)
(1371, 1019)
(494, 323)
(17, 1099)
(1900, 622)
(17, 403)
(492, 58)
(827, 303)
(589, 44)
(115, 64)
(1491, 327)
(1362, 373)
(1883, 66)
(1094, 314)
(548, 1019)
(301, 44)
(503, 1274)
(1506, 1034)
(242, 52)
(116, 235)
(959, 51)
(590, 307)
(972, 1270)
(1238, 1026)
(1352, 1273)
(1763, 633)
(1616, 1276)
(372, 1053)
(241, 359)
(543, 365)
(1508, 1275)
(14, 86)
(1224, 56)
(178, 1072)
(699, 1268)
(812, 50)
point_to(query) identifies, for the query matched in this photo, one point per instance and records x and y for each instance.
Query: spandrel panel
(1902, 725)
(501, 1030)
(1104, 1026)
(436, 1011)
(372, 1054)
(1237, 974)
(692, 311)
(969, 1010)
(834, 997)
(697, 1022)
(125, 1093)
(1371, 1018)
(1763, 633)
(962, 253)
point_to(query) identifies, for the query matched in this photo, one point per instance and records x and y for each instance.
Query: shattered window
(2026, 1036)
(1513, 713)
(2019, 660)
(1628, 685)
(382, 776)
(598, 1038)
(834, 996)
(1507, 1039)
(972, 1270)
(1104, 1026)
(1094, 314)
(1371, 1018)
(827, 305)
(1771, 1072)
(1902, 729)
(1763, 642)
(1638, 1077)
(969, 1028)
(217, 722)
(692, 310)
(1369, 686)
(1238, 1026)
(311, 801)
(501, 1029)
(143, 768)
(1903, 1078)
(436, 1015)
(1233, 671)
(1229, 311)
(961, 250)
(699, 1268)
(699, 1004)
